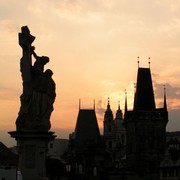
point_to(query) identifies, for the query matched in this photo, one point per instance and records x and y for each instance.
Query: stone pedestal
(32, 148)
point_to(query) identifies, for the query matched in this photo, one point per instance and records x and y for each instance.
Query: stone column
(32, 148)
(33, 122)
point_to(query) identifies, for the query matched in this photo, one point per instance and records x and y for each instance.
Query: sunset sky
(93, 47)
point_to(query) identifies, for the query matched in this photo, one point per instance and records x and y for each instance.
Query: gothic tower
(145, 129)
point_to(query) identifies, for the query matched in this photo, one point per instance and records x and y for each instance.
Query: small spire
(149, 61)
(134, 87)
(165, 104)
(118, 112)
(108, 116)
(94, 104)
(125, 108)
(79, 103)
(108, 106)
(118, 105)
(138, 61)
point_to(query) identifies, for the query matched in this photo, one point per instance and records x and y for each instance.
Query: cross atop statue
(25, 41)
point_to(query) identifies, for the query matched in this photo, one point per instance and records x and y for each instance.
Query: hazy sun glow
(93, 48)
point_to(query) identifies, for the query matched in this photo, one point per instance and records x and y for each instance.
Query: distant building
(115, 135)
(55, 163)
(57, 148)
(132, 147)
(170, 165)
(86, 131)
(8, 163)
(87, 154)
(145, 130)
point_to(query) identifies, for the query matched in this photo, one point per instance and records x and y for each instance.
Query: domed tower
(109, 128)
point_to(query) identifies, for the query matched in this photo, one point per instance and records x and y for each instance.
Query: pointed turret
(165, 103)
(108, 113)
(118, 112)
(118, 119)
(144, 96)
(125, 108)
(79, 104)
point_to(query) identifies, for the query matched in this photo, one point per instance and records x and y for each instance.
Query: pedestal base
(32, 148)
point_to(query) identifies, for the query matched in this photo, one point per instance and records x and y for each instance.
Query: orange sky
(93, 48)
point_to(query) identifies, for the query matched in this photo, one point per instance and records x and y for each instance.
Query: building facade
(170, 165)
(87, 155)
(114, 134)
(131, 147)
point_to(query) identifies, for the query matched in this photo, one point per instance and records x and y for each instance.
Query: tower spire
(79, 103)
(108, 106)
(94, 104)
(134, 88)
(149, 62)
(118, 105)
(138, 61)
(165, 104)
(118, 113)
(108, 113)
(125, 108)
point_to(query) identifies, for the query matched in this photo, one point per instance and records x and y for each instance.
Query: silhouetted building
(57, 148)
(114, 135)
(109, 129)
(120, 130)
(86, 131)
(87, 155)
(55, 163)
(170, 165)
(130, 148)
(145, 129)
(8, 163)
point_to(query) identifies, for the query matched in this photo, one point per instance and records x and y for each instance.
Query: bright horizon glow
(93, 48)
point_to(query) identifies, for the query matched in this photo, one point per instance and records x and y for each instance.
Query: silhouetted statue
(38, 88)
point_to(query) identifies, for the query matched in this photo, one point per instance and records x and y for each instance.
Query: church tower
(119, 127)
(109, 128)
(145, 129)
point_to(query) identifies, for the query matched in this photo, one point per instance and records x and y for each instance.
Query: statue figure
(38, 88)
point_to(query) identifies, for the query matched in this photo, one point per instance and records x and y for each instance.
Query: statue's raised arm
(25, 41)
